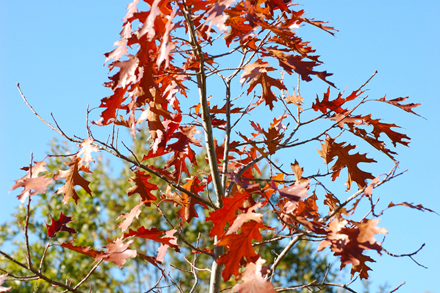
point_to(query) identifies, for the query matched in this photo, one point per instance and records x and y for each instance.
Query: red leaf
(187, 212)
(60, 225)
(240, 246)
(242, 218)
(142, 187)
(227, 213)
(83, 249)
(154, 234)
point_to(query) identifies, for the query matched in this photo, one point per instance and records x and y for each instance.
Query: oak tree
(216, 78)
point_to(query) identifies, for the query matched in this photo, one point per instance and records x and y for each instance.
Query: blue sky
(55, 50)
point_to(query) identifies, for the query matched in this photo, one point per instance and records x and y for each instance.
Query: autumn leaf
(32, 186)
(172, 242)
(227, 213)
(142, 187)
(31, 183)
(332, 149)
(256, 73)
(412, 205)
(72, 179)
(253, 281)
(2, 279)
(60, 225)
(118, 252)
(153, 234)
(296, 191)
(83, 249)
(187, 212)
(397, 102)
(240, 246)
(87, 148)
(134, 213)
(248, 216)
(350, 242)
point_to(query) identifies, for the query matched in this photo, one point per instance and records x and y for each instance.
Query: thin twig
(410, 255)
(26, 225)
(44, 255)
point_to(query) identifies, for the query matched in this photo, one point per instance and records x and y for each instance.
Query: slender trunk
(216, 271)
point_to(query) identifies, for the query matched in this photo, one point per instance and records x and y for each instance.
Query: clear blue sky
(55, 50)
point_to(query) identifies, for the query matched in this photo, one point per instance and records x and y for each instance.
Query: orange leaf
(72, 179)
(331, 149)
(240, 246)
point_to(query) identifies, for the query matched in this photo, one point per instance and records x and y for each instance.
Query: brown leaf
(397, 102)
(332, 149)
(143, 187)
(72, 179)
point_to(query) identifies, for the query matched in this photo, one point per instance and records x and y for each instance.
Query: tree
(232, 194)
(137, 273)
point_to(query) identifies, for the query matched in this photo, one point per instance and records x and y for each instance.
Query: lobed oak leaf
(72, 179)
(253, 281)
(148, 27)
(112, 104)
(367, 229)
(126, 74)
(331, 149)
(172, 241)
(242, 218)
(86, 151)
(296, 191)
(60, 225)
(215, 15)
(325, 105)
(240, 246)
(83, 249)
(118, 252)
(35, 169)
(413, 206)
(350, 242)
(31, 186)
(142, 187)
(397, 102)
(2, 279)
(227, 213)
(167, 45)
(134, 213)
(153, 234)
(266, 83)
(187, 212)
(172, 197)
(395, 137)
(294, 99)
(295, 63)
